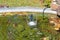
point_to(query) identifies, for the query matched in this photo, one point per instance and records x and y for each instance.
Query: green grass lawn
(34, 3)
(15, 28)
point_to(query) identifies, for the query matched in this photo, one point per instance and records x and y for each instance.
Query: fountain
(32, 22)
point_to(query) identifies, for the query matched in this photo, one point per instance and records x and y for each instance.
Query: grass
(34, 3)
(15, 28)
(31, 3)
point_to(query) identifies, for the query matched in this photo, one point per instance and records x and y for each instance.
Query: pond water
(15, 27)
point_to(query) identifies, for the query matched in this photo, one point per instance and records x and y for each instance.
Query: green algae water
(15, 27)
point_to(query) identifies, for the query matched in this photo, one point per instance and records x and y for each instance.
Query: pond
(15, 27)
